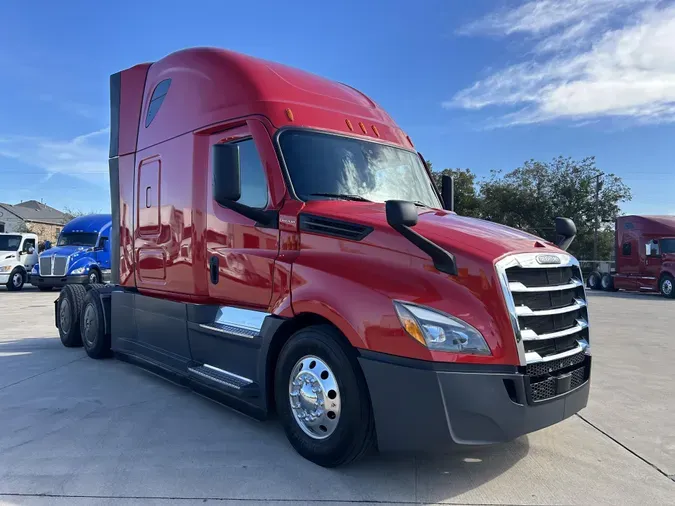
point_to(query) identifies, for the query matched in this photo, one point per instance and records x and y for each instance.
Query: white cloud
(85, 156)
(590, 59)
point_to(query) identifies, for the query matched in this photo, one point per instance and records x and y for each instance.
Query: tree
(531, 196)
(467, 202)
(73, 213)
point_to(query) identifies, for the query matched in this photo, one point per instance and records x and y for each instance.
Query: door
(240, 252)
(103, 251)
(651, 265)
(628, 263)
(29, 253)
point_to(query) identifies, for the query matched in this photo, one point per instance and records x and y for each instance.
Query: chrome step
(222, 378)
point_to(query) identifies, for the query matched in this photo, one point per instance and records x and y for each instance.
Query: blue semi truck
(81, 255)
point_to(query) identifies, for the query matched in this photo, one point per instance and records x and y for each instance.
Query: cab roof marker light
(377, 133)
(363, 127)
(349, 125)
(289, 114)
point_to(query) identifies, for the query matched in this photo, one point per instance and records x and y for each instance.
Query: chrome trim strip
(243, 318)
(531, 335)
(526, 311)
(534, 358)
(228, 373)
(501, 267)
(516, 286)
(232, 330)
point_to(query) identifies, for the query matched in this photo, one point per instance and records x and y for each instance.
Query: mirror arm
(443, 260)
(268, 219)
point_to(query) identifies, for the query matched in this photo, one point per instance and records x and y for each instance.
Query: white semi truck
(18, 255)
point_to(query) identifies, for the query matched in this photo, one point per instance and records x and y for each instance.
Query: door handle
(213, 269)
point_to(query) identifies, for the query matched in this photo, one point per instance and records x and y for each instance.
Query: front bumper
(4, 278)
(431, 407)
(56, 281)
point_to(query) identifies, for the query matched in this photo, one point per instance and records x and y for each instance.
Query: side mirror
(448, 192)
(31, 250)
(401, 213)
(565, 231)
(226, 173)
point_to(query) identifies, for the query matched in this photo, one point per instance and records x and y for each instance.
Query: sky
(480, 84)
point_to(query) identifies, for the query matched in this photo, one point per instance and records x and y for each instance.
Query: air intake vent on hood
(332, 227)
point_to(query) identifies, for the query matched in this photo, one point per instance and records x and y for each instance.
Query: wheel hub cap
(89, 325)
(16, 279)
(667, 287)
(314, 397)
(64, 315)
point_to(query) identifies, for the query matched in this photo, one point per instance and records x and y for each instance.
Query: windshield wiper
(343, 196)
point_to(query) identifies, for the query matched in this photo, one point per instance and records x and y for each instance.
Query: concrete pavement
(77, 431)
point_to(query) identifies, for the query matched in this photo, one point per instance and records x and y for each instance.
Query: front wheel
(322, 399)
(94, 277)
(667, 286)
(594, 280)
(16, 281)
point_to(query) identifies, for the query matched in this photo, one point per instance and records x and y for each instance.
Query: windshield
(325, 166)
(9, 242)
(77, 239)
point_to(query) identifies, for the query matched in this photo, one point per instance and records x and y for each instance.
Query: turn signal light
(289, 114)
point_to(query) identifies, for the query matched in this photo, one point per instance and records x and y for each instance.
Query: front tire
(667, 286)
(594, 280)
(69, 307)
(92, 326)
(94, 277)
(322, 398)
(16, 281)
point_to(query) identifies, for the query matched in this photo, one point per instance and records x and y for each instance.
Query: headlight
(79, 270)
(5, 268)
(440, 331)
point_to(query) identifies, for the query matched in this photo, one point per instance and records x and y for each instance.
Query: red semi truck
(308, 268)
(645, 257)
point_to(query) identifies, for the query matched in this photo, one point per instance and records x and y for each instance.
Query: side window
(628, 225)
(102, 242)
(156, 100)
(668, 246)
(626, 249)
(253, 181)
(28, 244)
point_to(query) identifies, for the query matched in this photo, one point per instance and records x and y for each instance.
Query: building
(33, 216)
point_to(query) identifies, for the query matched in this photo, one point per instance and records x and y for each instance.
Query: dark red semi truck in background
(282, 248)
(644, 256)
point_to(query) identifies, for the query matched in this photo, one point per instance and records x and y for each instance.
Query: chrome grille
(45, 266)
(549, 314)
(60, 266)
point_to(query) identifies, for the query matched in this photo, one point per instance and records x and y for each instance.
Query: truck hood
(455, 233)
(4, 254)
(64, 251)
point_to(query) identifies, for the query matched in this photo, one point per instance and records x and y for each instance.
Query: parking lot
(75, 431)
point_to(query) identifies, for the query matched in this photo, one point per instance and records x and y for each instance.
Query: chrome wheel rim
(667, 287)
(93, 278)
(64, 315)
(605, 283)
(17, 278)
(314, 397)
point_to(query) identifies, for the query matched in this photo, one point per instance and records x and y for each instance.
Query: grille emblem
(548, 259)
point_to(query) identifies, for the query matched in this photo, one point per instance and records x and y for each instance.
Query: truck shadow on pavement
(625, 295)
(151, 438)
